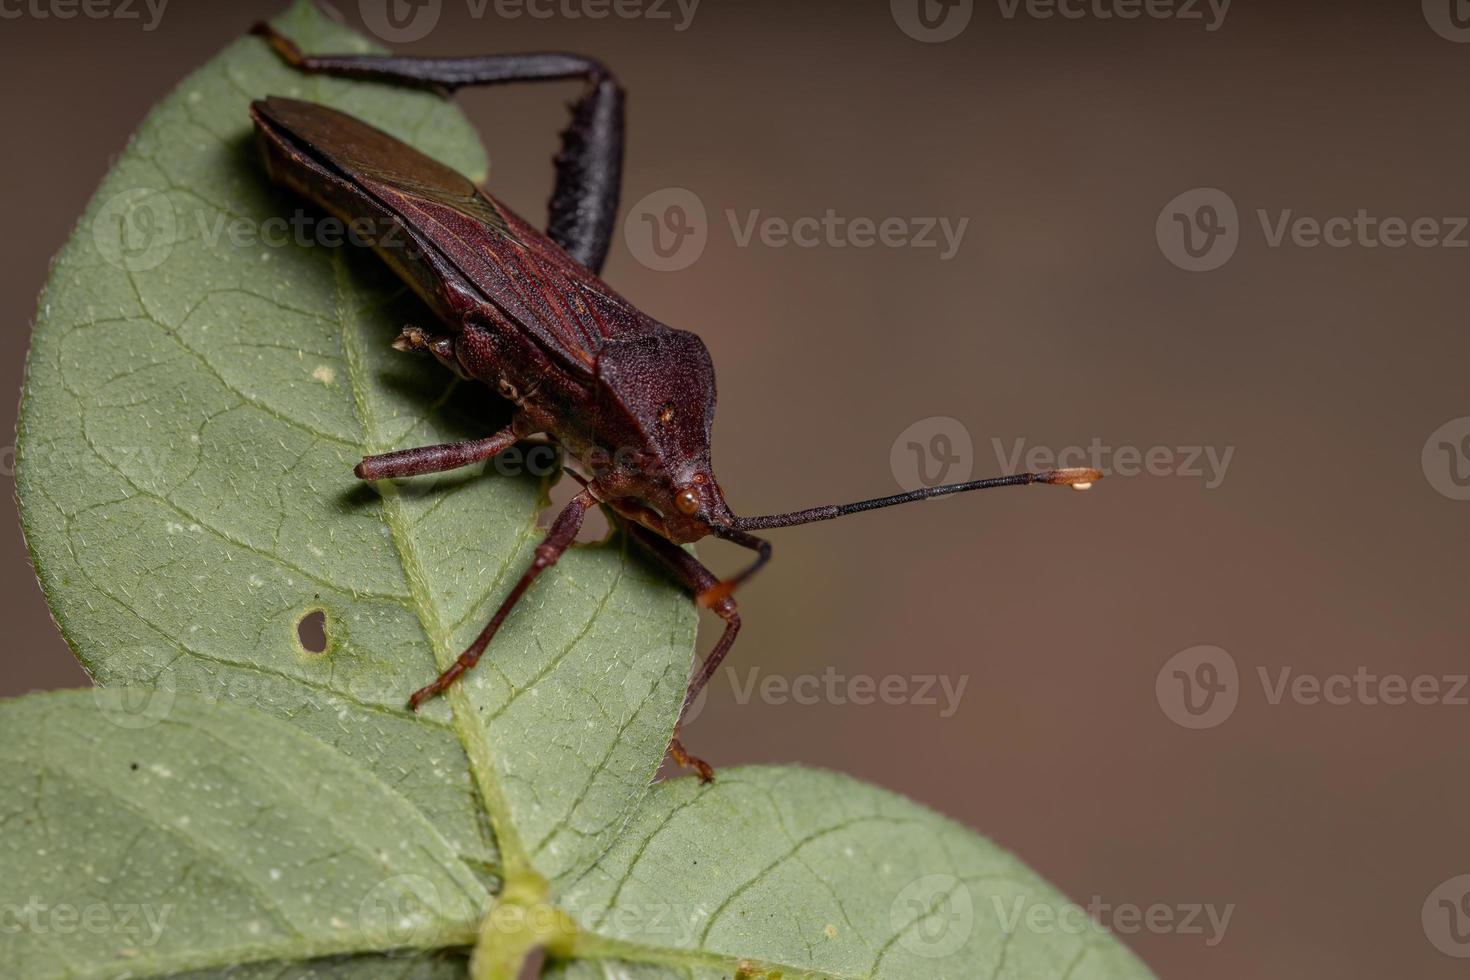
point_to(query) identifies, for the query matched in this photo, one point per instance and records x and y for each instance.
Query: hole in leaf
(311, 631)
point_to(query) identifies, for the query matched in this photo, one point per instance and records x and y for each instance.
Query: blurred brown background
(1326, 548)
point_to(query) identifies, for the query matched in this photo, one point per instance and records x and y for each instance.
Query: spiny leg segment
(589, 168)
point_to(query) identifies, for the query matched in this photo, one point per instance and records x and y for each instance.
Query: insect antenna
(1078, 478)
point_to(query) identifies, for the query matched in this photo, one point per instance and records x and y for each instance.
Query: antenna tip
(1076, 477)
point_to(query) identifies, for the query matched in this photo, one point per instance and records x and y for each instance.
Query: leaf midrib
(514, 858)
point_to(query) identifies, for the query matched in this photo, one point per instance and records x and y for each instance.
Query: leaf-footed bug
(630, 399)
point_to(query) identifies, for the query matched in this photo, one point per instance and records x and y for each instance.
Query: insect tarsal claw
(684, 760)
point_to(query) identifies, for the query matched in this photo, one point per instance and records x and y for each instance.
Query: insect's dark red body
(631, 399)
(580, 362)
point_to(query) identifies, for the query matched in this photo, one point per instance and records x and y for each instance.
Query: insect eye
(687, 501)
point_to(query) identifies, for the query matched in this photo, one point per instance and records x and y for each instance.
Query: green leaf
(388, 966)
(150, 843)
(152, 835)
(196, 397)
(797, 873)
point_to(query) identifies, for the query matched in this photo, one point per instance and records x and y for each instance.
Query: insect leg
(414, 340)
(697, 579)
(562, 533)
(435, 459)
(584, 201)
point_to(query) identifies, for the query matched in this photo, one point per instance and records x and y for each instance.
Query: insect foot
(684, 760)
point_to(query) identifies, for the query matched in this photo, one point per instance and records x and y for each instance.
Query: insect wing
(515, 267)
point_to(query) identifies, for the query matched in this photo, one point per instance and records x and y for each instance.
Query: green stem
(521, 920)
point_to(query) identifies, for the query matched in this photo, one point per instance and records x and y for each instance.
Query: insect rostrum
(630, 399)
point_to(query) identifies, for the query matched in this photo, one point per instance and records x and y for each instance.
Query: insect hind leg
(584, 201)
